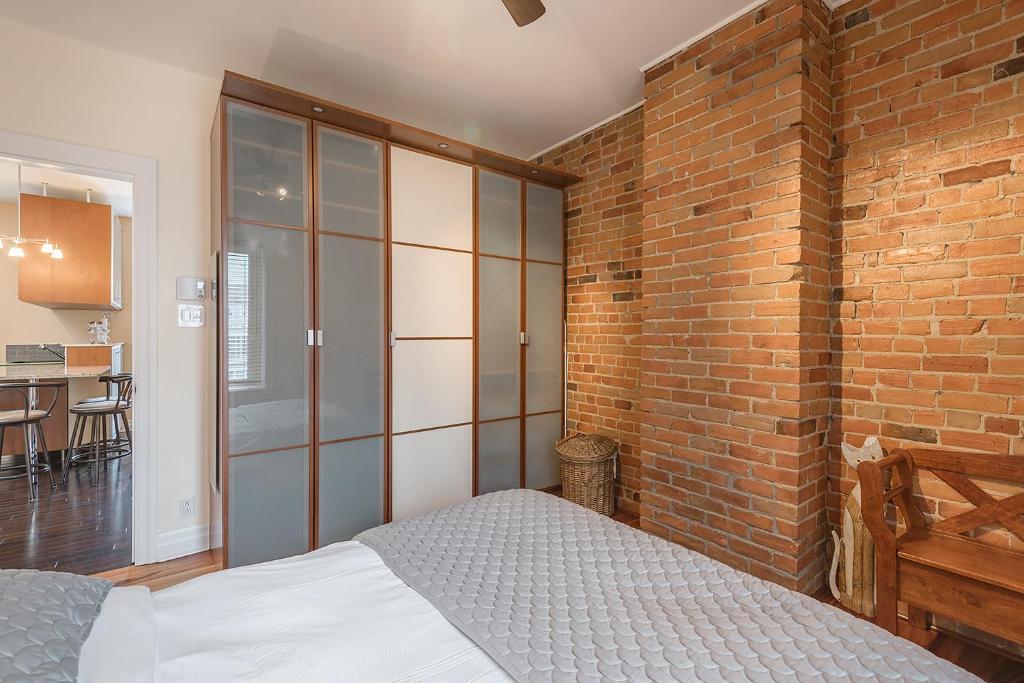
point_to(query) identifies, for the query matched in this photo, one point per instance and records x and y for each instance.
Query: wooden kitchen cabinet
(89, 275)
(94, 355)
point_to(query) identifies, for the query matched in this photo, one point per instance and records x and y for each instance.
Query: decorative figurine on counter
(99, 330)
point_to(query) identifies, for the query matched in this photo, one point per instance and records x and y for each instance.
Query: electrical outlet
(187, 508)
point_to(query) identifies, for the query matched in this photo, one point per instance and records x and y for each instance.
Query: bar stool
(109, 394)
(29, 418)
(101, 448)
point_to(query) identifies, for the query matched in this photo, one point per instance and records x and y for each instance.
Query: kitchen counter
(41, 372)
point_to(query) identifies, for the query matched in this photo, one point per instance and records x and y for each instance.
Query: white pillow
(121, 648)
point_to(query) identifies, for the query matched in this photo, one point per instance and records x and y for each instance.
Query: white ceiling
(457, 67)
(64, 184)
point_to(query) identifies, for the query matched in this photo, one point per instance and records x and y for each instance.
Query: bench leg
(886, 611)
(918, 618)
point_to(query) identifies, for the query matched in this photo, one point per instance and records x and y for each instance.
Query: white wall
(58, 88)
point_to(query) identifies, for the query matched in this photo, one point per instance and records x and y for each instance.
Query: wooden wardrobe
(389, 309)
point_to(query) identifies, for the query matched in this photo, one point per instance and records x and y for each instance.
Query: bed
(511, 586)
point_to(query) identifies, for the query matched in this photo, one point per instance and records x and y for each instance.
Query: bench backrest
(957, 470)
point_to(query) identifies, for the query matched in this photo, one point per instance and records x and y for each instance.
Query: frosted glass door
(544, 325)
(498, 455)
(268, 506)
(353, 339)
(351, 184)
(352, 308)
(500, 209)
(267, 166)
(351, 488)
(266, 314)
(545, 296)
(498, 388)
(544, 223)
(542, 467)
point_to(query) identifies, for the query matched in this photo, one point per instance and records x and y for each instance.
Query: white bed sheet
(121, 647)
(335, 614)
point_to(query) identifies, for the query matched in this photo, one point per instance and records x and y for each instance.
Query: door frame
(142, 172)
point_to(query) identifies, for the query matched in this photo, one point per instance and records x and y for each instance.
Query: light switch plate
(191, 315)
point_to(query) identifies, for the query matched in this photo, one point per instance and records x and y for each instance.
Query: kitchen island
(44, 372)
(79, 381)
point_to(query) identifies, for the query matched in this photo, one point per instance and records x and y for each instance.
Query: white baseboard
(181, 542)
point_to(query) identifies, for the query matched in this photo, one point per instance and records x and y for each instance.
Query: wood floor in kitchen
(82, 528)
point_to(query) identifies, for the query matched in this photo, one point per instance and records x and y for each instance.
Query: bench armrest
(874, 499)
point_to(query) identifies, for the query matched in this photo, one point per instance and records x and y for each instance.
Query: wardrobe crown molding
(254, 91)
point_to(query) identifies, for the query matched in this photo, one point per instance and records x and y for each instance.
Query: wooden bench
(935, 569)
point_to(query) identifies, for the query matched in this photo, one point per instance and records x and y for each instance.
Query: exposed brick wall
(928, 201)
(811, 185)
(603, 278)
(734, 383)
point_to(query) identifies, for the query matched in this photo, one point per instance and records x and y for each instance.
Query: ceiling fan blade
(524, 11)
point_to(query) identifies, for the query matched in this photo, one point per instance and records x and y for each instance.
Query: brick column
(734, 386)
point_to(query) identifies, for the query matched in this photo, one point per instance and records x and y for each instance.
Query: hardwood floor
(974, 657)
(983, 661)
(82, 529)
(165, 574)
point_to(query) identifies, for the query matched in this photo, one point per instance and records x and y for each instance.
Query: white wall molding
(832, 5)
(182, 542)
(143, 174)
(590, 128)
(702, 35)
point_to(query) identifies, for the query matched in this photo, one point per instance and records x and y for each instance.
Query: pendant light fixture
(17, 249)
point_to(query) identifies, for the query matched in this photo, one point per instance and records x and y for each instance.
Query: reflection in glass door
(265, 265)
(351, 363)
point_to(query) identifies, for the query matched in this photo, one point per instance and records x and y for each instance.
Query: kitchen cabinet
(90, 275)
(95, 355)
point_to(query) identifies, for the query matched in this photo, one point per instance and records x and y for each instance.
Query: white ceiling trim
(702, 35)
(830, 4)
(589, 129)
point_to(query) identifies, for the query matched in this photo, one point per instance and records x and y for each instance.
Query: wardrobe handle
(392, 338)
(319, 337)
(310, 341)
(524, 339)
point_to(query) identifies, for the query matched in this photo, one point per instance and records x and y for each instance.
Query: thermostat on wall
(191, 288)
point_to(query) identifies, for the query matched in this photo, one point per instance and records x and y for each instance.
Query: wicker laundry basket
(588, 471)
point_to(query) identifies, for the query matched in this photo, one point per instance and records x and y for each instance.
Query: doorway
(98, 513)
